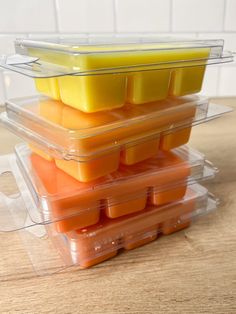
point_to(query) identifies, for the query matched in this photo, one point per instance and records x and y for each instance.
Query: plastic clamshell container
(101, 74)
(50, 252)
(73, 205)
(91, 146)
(92, 245)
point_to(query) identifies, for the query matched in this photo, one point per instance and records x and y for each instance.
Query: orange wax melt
(74, 205)
(90, 146)
(97, 243)
(103, 152)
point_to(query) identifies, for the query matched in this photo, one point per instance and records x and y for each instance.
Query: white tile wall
(182, 18)
(229, 38)
(142, 15)
(7, 44)
(198, 15)
(27, 16)
(227, 83)
(85, 15)
(211, 81)
(230, 15)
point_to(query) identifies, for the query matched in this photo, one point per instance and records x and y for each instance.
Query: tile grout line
(171, 16)
(56, 9)
(134, 32)
(224, 14)
(114, 9)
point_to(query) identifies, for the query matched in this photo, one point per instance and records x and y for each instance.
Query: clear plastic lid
(97, 243)
(63, 55)
(69, 134)
(60, 199)
(50, 252)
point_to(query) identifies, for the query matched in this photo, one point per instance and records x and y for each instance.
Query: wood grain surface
(192, 271)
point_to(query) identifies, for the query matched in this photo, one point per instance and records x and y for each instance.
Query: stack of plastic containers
(105, 166)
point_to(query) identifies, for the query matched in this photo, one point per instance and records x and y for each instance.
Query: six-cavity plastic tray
(112, 71)
(50, 251)
(89, 146)
(92, 245)
(73, 205)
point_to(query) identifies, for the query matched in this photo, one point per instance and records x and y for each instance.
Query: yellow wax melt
(180, 71)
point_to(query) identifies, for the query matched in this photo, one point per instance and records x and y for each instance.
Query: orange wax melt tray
(73, 205)
(92, 245)
(89, 146)
(50, 252)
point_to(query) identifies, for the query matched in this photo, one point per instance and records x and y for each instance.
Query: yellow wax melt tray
(95, 74)
(89, 146)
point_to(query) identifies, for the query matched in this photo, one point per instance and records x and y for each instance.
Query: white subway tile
(27, 16)
(43, 35)
(179, 36)
(227, 86)
(7, 43)
(210, 82)
(2, 90)
(184, 35)
(197, 15)
(230, 15)
(143, 15)
(85, 15)
(156, 36)
(229, 39)
(17, 85)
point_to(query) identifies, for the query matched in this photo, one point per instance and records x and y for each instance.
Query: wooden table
(193, 271)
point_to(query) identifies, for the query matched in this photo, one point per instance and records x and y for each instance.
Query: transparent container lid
(36, 199)
(88, 245)
(87, 55)
(50, 253)
(103, 132)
